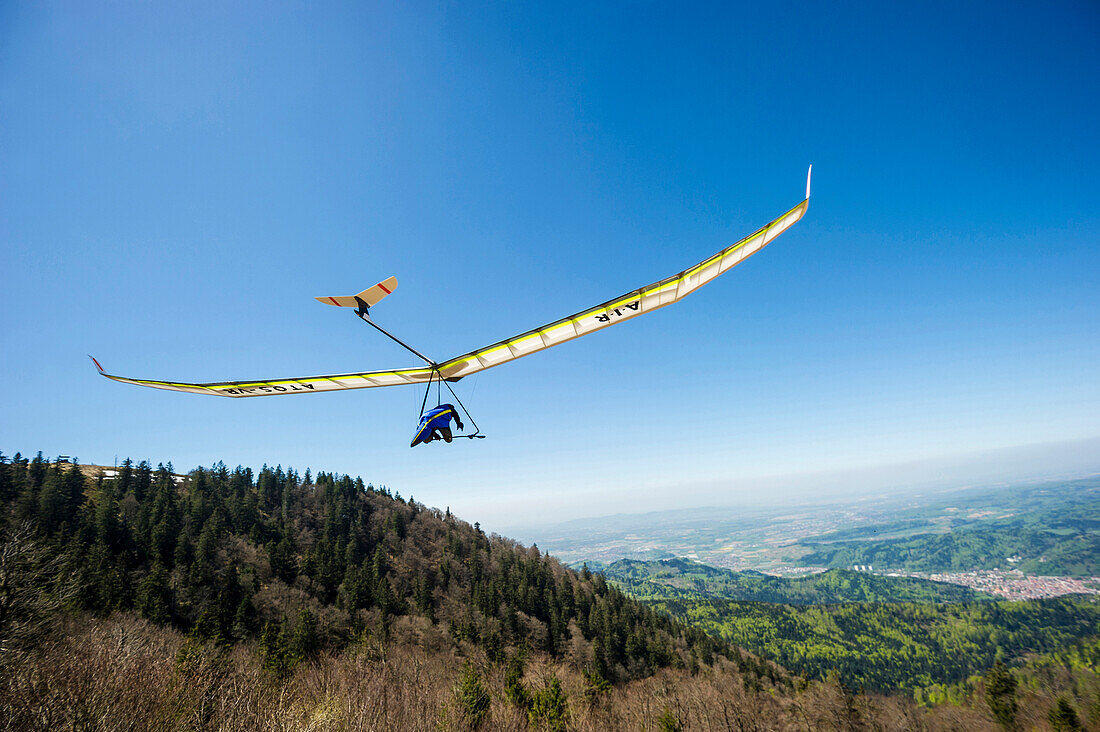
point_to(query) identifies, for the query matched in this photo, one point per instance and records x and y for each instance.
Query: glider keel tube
(632, 304)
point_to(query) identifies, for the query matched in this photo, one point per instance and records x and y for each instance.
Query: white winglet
(371, 296)
(808, 181)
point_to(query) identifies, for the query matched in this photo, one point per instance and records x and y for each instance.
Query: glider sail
(632, 304)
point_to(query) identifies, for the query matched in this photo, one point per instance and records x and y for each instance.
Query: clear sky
(177, 181)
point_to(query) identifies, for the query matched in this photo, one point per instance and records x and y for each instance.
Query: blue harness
(434, 419)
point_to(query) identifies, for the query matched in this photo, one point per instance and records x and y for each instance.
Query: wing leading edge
(632, 304)
(636, 302)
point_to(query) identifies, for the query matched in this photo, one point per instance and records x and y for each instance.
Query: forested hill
(1062, 539)
(902, 646)
(882, 633)
(681, 578)
(245, 600)
(308, 562)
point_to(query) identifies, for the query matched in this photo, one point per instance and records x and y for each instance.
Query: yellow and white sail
(632, 304)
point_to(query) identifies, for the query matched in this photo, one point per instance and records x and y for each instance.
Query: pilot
(436, 425)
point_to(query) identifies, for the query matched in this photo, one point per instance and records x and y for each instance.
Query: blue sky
(177, 181)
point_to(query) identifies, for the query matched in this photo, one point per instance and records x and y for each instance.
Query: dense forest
(896, 646)
(274, 599)
(672, 578)
(305, 563)
(874, 632)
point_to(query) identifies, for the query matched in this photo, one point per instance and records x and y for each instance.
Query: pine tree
(276, 656)
(1063, 717)
(304, 641)
(514, 690)
(154, 599)
(243, 619)
(108, 528)
(59, 498)
(668, 722)
(549, 707)
(143, 481)
(284, 563)
(594, 685)
(203, 564)
(124, 481)
(422, 595)
(472, 698)
(378, 564)
(7, 489)
(1000, 695)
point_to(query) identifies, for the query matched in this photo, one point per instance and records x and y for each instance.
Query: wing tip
(808, 173)
(97, 366)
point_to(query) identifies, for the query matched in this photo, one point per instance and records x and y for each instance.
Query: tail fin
(371, 295)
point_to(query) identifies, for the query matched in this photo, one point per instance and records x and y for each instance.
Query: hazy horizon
(1018, 465)
(1024, 464)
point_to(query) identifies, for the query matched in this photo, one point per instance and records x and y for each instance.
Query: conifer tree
(514, 690)
(143, 481)
(274, 651)
(243, 619)
(668, 722)
(51, 502)
(472, 698)
(108, 528)
(1000, 694)
(304, 641)
(125, 478)
(549, 707)
(7, 488)
(1063, 717)
(284, 564)
(154, 600)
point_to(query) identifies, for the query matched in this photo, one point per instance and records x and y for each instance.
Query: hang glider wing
(632, 304)
(332, 382)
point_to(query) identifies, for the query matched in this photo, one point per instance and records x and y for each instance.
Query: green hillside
(892, 646)
(680, 578)
(874, 632)
(1053, 541)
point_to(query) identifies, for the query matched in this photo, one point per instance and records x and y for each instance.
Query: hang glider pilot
(436, 425)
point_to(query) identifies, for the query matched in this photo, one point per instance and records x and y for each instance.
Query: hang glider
(632, 304)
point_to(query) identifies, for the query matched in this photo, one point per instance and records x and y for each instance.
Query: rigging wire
(427, 392)
(477, 430)
(438, 379)
(433, 375)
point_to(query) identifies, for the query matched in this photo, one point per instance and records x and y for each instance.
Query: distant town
(1013, 584)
